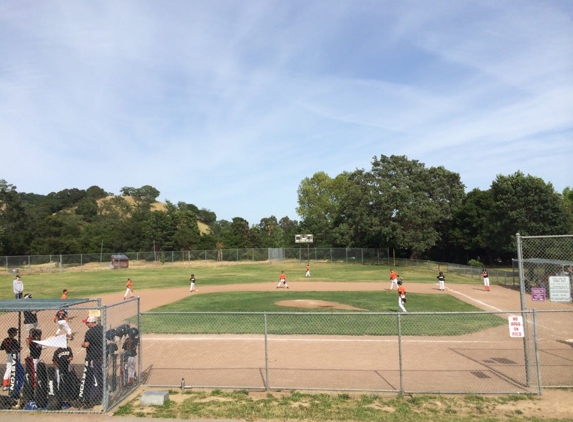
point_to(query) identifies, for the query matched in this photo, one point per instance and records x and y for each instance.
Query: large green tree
(15, 235)
(399, 203)
(523, 204)
(319, 205)
(467, 236)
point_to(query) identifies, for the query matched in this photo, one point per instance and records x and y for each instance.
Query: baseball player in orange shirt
(393, 278)
(401, 296)
(282, 280)
(129, 290)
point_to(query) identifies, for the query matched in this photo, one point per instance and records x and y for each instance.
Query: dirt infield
(498, 299)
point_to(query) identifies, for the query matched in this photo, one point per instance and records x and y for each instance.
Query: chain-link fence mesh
(48, 365)
(60, 263)
(545, 267)
(363, 351)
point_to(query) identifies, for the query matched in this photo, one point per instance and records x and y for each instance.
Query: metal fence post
(139, 347)
(267, 383)
(399, 321)
(105, 394)
(536, 348)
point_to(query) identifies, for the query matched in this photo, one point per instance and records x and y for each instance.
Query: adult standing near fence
(18, 287)
(485, 276)
(128, 289)
(441, 281)
(401, 296)
(92, 392)
(192, 281)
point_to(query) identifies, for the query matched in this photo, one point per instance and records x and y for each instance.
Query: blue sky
(229, 105)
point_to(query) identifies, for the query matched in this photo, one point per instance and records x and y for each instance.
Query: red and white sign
(516, 326)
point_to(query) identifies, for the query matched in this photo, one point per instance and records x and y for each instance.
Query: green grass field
(280, 320)
(83, 284)
(104, 281)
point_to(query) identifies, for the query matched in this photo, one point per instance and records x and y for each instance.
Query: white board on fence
(559, 289)
(516, 326)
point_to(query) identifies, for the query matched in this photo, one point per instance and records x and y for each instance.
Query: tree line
(416, 211)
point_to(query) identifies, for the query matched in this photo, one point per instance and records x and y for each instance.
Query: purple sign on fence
(538, 293)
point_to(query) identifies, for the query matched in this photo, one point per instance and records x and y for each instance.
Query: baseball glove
(404, 300)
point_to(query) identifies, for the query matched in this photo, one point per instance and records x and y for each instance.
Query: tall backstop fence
(49, 366)
(545, 267)
(478, 352)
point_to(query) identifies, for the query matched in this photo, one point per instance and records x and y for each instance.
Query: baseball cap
(89, 319)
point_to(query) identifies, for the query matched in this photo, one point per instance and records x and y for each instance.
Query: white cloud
(229, 105)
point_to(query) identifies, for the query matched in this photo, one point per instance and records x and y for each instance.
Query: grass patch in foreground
(176, 319)
(297, 406)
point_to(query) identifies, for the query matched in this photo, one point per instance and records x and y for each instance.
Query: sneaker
(5, 388)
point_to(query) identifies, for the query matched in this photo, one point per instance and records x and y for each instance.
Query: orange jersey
(393, 275)
(401, 290)
(282, 277)
(65, 296)
(128, 284)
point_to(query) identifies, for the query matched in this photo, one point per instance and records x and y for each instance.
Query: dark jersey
(62, 358)
(441, 277)
(10, 345)
(30, 317)
(94, 336)
(35, 350)
(130, 346)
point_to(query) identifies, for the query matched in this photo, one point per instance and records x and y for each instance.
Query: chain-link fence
(363, 256)
(545, 266)
(60, 263)
(68, 355)
(362, 351)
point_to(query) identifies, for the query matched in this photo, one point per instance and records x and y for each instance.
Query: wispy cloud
(230, 104)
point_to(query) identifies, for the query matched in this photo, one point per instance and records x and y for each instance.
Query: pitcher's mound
(313, 304)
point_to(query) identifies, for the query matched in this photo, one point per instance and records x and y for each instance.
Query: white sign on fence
(516, 326)
(559, 289)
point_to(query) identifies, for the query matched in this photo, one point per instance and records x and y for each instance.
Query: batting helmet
(110, 334)
(133, 332)
(122, 330)
(399, 282)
